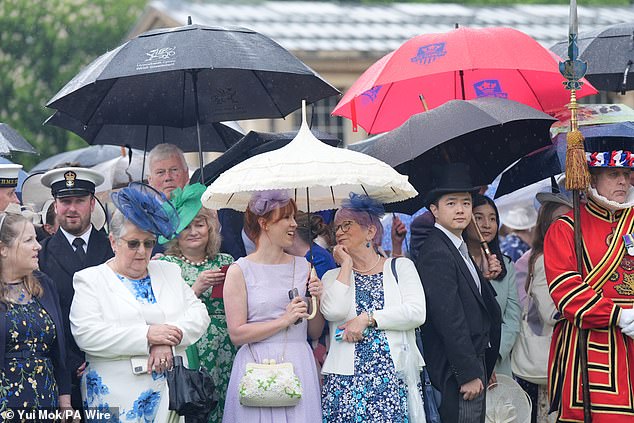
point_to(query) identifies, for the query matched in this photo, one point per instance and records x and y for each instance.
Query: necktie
(465, 255)
(78, 243)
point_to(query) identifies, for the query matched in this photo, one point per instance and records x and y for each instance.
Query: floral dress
(141, 398)
(215, 350)
(374, 393)
(28, 382)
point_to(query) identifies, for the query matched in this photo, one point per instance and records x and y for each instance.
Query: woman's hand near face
(164, 334)
(341, 256)
(353, 329)
(207, 279)
(161, 358)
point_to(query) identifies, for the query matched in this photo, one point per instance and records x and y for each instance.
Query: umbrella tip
(304, 113)
(189, 20)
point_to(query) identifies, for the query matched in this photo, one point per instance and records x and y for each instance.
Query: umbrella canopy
(252, 144)
(84, 157)
(487, 133)
(592, 114)
(214, 137)
(609, 52)
(320, 176)
(461, 64)
(551, 161)
(162, 76)
(11, 140)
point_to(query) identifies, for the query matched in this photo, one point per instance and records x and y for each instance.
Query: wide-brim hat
(72, 181)
(450, 178)
(554, 197)
(187, 202)
(519, 216)
(38, 196)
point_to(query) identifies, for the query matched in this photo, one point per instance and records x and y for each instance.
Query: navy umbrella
(191, 75)
(551, 161)
(489, 134)
(609, 52)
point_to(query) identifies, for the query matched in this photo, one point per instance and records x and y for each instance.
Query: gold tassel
(577, 174)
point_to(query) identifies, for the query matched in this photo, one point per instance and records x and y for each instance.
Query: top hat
(9, 175)
(449, 178)
(609, 145)
(72, 181)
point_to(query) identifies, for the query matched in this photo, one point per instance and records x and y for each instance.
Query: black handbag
(431, 396)
(191, 392)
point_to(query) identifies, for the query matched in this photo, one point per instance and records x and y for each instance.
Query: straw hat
(519, 217)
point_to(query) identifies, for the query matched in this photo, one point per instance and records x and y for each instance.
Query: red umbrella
(461, 64)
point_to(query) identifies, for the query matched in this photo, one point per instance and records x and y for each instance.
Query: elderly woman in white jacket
(372, 372)
(130, 314)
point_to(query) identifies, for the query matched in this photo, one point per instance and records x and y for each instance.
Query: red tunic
(593, 303)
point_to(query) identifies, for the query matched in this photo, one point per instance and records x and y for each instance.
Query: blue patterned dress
(374, 393)
(28, 382)
(140, 397)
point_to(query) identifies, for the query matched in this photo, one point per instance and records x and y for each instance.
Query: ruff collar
(610, 205)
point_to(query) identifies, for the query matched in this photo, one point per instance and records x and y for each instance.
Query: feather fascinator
(187, 203)
(363, 203)
(147, 209)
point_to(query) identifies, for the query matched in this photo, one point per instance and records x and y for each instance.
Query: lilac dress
(267, 297)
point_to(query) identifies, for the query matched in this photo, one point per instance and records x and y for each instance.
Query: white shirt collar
(456, 240)
(85, 236)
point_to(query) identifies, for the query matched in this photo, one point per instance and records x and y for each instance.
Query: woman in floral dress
(372, 371)
(33, 375)
(195, 250)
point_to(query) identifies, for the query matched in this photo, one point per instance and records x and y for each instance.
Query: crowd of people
(93, 318)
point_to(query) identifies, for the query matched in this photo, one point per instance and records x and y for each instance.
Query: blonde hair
(12, 226)
(213, 241)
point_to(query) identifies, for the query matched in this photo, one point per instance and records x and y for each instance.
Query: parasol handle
(423, 101)
(313, 311)
(483, 243)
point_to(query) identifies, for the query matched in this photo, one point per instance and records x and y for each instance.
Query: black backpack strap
(393, 265)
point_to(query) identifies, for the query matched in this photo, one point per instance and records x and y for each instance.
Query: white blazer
(403, 311)
(109, 323)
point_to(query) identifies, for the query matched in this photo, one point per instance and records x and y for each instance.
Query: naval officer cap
(72, 181)
(9, 175)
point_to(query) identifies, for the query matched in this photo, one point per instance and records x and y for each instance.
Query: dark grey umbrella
(532, 168)
(609, 52)
(84, 157)
(11, 140)
(487, 133)
(215, 137)
(252, 144)
(191, 75)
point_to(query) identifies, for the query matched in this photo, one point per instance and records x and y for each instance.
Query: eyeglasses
(134, 244)
(174, 171)
(345, 226)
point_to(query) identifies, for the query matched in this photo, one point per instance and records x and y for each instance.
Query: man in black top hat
(462, 331)
(75, 246)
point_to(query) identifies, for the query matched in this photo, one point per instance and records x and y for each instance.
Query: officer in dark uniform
(75, 246)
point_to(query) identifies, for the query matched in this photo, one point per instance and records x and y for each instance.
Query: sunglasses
(345, 226)
(134, 244)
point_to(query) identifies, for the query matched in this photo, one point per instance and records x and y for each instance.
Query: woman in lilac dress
(262, 319)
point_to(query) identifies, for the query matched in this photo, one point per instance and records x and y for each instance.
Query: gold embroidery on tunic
(627, 287)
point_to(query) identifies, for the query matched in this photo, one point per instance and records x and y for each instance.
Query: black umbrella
(215, 137)
(191, 75)
(487, 133)
(191, 392)
(85, 157)
(252, 144)
(11, 140)
(609, 53)
(551, 160)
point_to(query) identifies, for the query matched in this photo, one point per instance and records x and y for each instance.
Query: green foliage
(43, 44)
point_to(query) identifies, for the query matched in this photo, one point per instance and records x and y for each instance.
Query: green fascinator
(187, 204)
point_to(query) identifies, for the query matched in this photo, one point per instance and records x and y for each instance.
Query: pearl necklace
(194, 263)
(378, 258)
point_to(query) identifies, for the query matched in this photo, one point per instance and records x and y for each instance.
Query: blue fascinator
(147, 209)
(363, 203)
(263, 202)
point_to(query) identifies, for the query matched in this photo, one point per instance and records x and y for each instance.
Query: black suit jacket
(49, 302)
(461, 322)
(58, 261)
